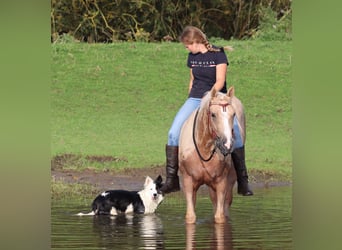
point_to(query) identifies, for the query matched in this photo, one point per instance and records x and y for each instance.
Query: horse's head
(221, 119)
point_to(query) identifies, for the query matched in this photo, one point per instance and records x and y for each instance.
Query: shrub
(273, 28)
(151, 20)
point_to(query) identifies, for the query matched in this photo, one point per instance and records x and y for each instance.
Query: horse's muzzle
(220, 144)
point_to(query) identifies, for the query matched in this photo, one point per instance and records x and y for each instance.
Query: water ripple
(262, 221)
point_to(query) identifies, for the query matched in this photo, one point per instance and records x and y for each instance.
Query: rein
(193, 138)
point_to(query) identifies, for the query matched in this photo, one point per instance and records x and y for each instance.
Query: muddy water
(262, 221)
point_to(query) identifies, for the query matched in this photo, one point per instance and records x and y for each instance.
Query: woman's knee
(238, 143)
(172, 139)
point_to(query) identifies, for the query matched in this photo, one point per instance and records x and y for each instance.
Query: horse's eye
(213, 115)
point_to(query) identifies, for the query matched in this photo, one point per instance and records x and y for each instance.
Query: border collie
(113, 202)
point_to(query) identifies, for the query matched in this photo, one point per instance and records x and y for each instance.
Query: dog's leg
(113, 211)
(82, 214)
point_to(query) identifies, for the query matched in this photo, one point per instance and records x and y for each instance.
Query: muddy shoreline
(132, 179)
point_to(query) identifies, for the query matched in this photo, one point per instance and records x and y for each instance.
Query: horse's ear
(213, 92)
(230, 92)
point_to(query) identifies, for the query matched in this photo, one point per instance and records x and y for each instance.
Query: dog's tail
(90, 213)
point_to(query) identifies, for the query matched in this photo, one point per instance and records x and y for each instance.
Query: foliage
(155, 20)
(272, 28)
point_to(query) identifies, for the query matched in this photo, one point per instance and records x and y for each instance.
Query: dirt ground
(133, 179)
(130, 179)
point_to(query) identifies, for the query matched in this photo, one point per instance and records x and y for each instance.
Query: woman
(208, 67)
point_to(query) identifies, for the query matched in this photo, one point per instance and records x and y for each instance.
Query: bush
(272, 28)
(153, 20)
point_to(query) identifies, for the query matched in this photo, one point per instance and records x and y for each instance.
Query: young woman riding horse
(208, 66)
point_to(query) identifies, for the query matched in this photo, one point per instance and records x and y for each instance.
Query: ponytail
(228, 48)
(212, 49)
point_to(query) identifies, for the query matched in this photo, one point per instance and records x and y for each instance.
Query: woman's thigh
(184, 112)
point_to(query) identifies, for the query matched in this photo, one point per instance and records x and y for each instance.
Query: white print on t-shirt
(195, 63)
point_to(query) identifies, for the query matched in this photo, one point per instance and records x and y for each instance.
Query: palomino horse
(205, 147)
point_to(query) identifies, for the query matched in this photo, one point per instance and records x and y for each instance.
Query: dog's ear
(158, 180)
(148, 180)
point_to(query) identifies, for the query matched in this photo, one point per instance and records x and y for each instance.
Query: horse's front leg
(190, 197)
(221, 192)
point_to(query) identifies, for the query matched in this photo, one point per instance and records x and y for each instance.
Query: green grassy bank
(112, 104)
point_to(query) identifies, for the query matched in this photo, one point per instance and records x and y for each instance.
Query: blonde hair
(193, 34)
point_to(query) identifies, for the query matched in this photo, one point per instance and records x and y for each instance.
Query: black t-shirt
(204, 71)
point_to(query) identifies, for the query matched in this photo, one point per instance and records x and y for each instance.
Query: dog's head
(153, 187)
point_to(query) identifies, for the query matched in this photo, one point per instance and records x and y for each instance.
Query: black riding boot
(238, 157)
(172, 179)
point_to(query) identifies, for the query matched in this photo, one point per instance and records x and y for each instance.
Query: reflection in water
(262, 221)
(221, 237)
(143, 231)
(152, 232)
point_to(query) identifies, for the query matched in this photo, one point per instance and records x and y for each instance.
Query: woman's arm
(221, 70)
(191, 80)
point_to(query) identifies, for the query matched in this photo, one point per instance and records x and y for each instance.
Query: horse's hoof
(220, 220)
(190, 220)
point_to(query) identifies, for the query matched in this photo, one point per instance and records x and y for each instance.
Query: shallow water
(262, 221)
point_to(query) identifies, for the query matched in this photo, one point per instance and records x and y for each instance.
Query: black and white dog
(113, 202)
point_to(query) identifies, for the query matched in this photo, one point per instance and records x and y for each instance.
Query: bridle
(224, 108)
(213, 133)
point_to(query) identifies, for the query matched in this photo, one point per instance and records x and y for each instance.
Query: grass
(62, 191)
(118, 100)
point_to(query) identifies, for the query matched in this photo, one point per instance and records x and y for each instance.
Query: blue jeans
(184, 112)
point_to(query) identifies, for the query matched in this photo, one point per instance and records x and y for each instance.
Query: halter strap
(213, 133)
(224, 107)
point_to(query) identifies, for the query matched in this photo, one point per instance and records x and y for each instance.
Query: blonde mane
(205, 100)
(208, 97)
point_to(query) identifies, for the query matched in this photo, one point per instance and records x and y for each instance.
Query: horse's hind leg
(212, 194)
(229, 196)
(229, 200)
